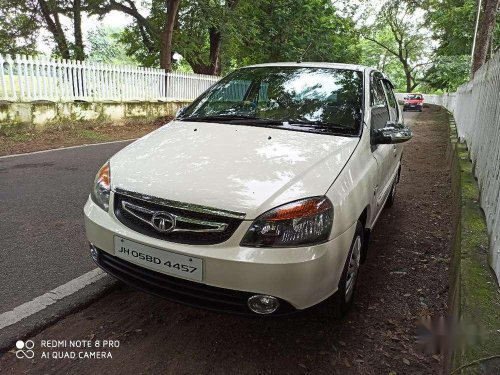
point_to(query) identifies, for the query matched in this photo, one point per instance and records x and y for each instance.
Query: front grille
(180, 290)
(183, 223)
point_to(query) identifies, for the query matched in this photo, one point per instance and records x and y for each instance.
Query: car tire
(344, 297)
(392, 195)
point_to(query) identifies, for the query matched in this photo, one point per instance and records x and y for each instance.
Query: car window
(234, 92)
(377, 94)
(324, 100)
(414, 97)
(379, 108)
(393, 104)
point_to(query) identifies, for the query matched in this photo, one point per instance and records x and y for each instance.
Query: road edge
(47, 317)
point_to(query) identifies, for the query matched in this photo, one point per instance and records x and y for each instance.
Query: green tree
(378, 57)
(21, 21)
(104, 46)
(447, 73)
(407, 40)
(452, 23)
(49, 13)
(215, 35)
(18, 29)
(154, 32)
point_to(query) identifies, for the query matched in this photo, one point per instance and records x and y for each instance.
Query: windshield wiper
(319, 125)
(236, 119)
(219, 118)
(278, 123)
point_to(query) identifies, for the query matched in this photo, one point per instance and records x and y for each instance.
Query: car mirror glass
(391, 134)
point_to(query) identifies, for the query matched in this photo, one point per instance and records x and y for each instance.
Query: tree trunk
(215, 46)
(79, 52)
(55, 28)
(166, 37)
(213, 66)
(484, 33)
(408, 77)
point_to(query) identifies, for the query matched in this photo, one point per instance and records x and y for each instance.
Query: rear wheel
(345, 294)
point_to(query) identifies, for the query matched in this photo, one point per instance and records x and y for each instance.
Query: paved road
(405, 277)
(42, 239)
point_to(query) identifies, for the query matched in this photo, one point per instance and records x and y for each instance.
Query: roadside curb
(474, 299)
(36, 323)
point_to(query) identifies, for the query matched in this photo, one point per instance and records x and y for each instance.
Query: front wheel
(345, 294)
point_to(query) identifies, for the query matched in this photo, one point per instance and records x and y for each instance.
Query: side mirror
(180, 112)
(392, 133)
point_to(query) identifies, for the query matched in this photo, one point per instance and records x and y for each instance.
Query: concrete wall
(474, 296)
(39, 115)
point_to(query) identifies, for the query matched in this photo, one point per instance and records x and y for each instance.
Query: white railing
(476, 108)
(30, 78)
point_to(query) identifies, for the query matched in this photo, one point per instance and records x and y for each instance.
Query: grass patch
(90, 134)
(21, 137)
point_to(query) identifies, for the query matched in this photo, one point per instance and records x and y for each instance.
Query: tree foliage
(289, 30)
(452, 23)
(104, 46)
(399, 34)
(447, 73)
(214, 36)
(417, 42)
(18, 28)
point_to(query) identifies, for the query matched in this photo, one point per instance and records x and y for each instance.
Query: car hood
(239, 168)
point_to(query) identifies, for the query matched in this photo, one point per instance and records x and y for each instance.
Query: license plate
(160, 260)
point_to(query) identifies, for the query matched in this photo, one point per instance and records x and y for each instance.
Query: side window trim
(373, 80)
(389, 92)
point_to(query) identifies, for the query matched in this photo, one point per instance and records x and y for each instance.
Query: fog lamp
(94, 253)
(262, 304)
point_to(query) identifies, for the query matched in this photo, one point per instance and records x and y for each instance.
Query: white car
(260, 196)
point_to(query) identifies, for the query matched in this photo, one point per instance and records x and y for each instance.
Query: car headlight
(300, 223)
(102, 187)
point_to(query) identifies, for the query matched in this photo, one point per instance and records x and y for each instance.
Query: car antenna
(304, 53)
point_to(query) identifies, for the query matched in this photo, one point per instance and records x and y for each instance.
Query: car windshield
(321, 100)
(414, 97)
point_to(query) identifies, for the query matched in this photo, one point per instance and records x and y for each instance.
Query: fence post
(34, 78)
(2, 78)
(13, 91)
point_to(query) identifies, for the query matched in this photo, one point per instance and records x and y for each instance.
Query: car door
(395, 117)
(382, 153)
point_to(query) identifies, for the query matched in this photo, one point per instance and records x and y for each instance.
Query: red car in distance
(413, 102)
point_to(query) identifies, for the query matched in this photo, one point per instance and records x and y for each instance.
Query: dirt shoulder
(22, 142)
(405, 278)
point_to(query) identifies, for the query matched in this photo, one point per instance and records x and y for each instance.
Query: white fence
(476, 108)
(28, 79)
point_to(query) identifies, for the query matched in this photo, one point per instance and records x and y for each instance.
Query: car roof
(314, 65)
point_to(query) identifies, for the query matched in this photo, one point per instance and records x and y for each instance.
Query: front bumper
(298, 277)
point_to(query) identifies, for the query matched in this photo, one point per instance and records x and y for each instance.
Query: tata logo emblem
(163, 222)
